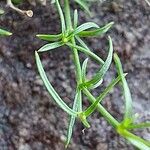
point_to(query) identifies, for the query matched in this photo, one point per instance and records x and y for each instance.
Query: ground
(29, 119)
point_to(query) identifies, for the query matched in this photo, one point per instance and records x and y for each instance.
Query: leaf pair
(96, 80)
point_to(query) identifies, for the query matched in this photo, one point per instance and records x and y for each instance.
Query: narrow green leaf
(2, 11)
(140, 125)
(96, 32)
(83, 5)
(82, 42)
(75, 22)
(50, 46)
(72, 118)
(138, 144)
(63, 25)
(84, 26)
(84, 67)
(135, 140)
(128, 100)
(97, 84)
(93, 106)
(100, 74)
(50, 89)
(87, 52)
(48, 37)
(4, 33)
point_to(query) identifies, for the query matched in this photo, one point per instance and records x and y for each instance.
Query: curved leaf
(50, 89)
(96, 32)
(92, 108)
(83, 5)
(87, 52)
(50, 46)
(75, 21)
(100, 74)
(128, 100)
(84, 26)
(63, 25)
(72, 118)
(48, 37)
(84, 67)
(4, 33)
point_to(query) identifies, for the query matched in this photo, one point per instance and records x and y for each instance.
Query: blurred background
(29, 119)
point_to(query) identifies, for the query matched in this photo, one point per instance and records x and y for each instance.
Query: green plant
(4, 33)
(70, 36)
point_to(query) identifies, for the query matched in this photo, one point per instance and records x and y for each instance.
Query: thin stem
(29, 13)
(75, 51)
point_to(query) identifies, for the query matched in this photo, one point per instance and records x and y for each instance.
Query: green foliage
(17, 1)
(4, 33)
(1, 11)
(70, 36)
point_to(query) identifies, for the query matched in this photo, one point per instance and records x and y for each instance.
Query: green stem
(102, 110)
(75, 51)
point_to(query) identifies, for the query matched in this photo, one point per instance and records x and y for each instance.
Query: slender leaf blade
(72, 118)
(96, 32)
(100, 74)
(93, 106)
(84, 26)
(83, 5)
(87, 52)
(128, 100)
(4, 33)
(81, 42)
(50, 46)
(50, 89)
(139, 125)
(63, 25)
(48, 37)
(75, 21)
(84, 67)
(138, 144)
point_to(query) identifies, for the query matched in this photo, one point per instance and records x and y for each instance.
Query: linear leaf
(100, 74)
(137, 141)
(139, 125)
(84, 26)
(48, 37)
(50, 89)
(83, 5)
(92, 108)
(138, 144)
(87, 52)
(84, 67)
(63, 25)
(97, 84)
(4, 33)
(50, 46)
(128, 100)
(75, 21)
(96, 32)
(72, 118)
(81, 42)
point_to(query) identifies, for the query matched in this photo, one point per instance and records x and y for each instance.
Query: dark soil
(29, 119)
